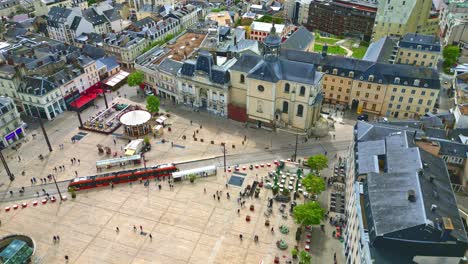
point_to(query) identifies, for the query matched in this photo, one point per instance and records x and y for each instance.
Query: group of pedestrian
(75, 161)
(241, 237)
(61, 146)
(60, 168)
(56, 239)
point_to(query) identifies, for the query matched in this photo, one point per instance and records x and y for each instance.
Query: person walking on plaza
(117, 230)
(151, 237)
(134, 228)
(240, 237)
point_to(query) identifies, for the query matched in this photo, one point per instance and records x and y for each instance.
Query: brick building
(342, 18)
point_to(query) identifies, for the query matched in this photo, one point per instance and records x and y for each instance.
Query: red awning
(84, 99)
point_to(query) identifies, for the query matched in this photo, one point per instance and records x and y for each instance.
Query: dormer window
(380, 80)
(416, 82)
(371, 78)
(419, 47)
(351, 74)
(319, 68)
(361, 78)
(335, 71)
(397, 80)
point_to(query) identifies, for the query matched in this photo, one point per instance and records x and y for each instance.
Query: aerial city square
(195, 131)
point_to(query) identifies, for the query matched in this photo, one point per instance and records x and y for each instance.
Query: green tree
(152, 104)
(318, 162)
(450, 54)
(313, 184)
(304, 257)
(135, 78)
(309, 213)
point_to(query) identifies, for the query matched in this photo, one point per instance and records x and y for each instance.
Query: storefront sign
(19, 131)
(10, 136)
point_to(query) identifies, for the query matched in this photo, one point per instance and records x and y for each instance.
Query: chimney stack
(412, 196)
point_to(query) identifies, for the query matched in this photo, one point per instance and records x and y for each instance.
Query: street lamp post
(295, 148)
(43, 129)
(56, 185)
(224, 154)
(79, 117)
(7, 169)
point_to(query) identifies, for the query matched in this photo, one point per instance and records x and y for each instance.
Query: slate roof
(383, 73)
(57, 15)
(380, 51)
(38, 86)
(204, 62)
(427, 42)
(299, 40)
(275, 70)
(93, 52)
(451, 148)
(110, 62)
(245, 45)
(112, 14)
(399, 228)
(170, 66)
(93, 17)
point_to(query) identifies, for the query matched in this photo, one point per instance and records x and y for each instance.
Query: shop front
(13, 136)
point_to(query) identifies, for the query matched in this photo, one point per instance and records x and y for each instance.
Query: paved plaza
(187, 226)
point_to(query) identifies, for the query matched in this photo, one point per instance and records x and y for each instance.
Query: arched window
(300, 110)
(302, 91)
(242, 78)
(285, 107)
(286, 88)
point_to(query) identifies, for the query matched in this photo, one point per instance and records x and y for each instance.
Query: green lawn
(359, 52)
(331, 49)
(323, 40)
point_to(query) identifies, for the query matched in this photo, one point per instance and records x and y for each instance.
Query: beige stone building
(397, 17)
(418, 50)
(274, 92)
(392, 90)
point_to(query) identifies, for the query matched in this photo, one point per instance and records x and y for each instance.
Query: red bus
(117, 177)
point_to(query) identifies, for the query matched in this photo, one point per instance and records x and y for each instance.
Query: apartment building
(8, 7)
(400, 206)
(398, 17)
(161, 66)
(342, 18)
(66, 24)
(9, 83)
(125, 46)
(41, 97)
(392, 90)
(419, 50)
(453, 23)
(11, 125)
(260, 30)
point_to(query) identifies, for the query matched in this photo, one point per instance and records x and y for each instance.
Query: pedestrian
(11, 193)
(219, 198)
(55, 239)
(76, 173)
(78, 161)
(190, 122)
(112, 185)
(240, 237)
(63, 167)
(272, 230)
(115, 142)
(58, 238)
(66, 258)
(214, 197)
(333, 136)
(238, 211)
(141, 228)
(19, 158)
(117, 230)
(151, 237)
(71, 160)
(159, 186)
(134, 228)
(204, 190)
(228, 196)
(32, 181)
(334, 256)
(226, 185)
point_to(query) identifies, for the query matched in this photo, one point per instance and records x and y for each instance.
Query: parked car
(149, 92)
(363, 117)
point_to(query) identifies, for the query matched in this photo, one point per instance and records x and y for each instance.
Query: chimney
(324, 50)
(412, 196)
(433, 207)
